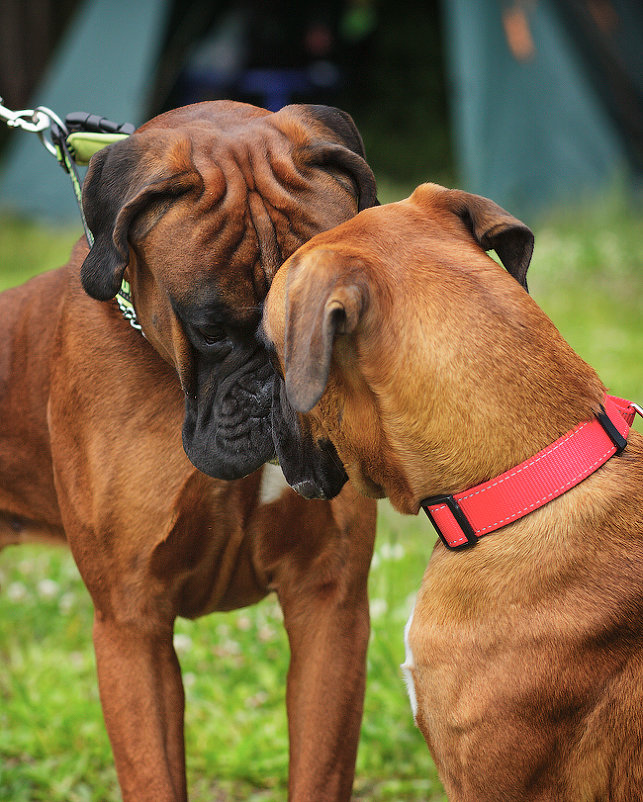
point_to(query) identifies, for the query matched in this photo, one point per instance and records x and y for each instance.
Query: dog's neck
(485, 417)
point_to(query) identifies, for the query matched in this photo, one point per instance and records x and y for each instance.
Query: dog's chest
(273, 484)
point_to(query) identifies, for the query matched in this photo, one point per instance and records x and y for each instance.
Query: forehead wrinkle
(265, 180)
(215, 185)
(255, 226)
(269, 251)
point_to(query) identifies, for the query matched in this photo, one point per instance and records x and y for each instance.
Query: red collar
(462, 518)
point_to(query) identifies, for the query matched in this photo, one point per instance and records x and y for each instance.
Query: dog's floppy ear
(336, 142)
(324, 299)
(491, 226)
(121, 181)
(495, 229)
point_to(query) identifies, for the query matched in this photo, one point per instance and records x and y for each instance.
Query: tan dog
(197, 210)
(432, 370)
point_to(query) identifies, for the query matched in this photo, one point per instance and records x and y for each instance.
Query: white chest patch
(408, 665)
(273, 484)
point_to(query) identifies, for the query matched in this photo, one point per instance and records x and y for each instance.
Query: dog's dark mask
(201, 206)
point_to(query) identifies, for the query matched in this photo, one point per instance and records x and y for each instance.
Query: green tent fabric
(102, 66)
(531, 128)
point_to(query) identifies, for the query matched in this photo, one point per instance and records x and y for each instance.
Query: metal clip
(51, 117)
(34, 121)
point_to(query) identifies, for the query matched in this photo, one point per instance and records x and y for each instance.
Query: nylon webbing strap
(462, 518)
(77, 148)
(74, 142)
(59, 138)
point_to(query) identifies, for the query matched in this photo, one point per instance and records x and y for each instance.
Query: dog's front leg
(325, 692)
(143, 704)
(322, 588)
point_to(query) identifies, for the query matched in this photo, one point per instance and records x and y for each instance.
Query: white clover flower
(182, 643)
(67, 603)
(16, 592)
(48, 589)
(266, 633)
(378, 608)
(392, 551)
(259, 698)
(275, 612)
(227, 648)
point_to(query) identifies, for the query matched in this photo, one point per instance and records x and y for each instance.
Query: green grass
(27, 249)
(52, 742)
(587, 274)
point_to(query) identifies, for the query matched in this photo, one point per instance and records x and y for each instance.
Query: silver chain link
(129, 314)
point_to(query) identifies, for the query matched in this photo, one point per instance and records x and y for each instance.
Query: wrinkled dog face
(201, 206)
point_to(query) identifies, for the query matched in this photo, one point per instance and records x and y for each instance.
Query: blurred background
(534, 103)
(530, 102)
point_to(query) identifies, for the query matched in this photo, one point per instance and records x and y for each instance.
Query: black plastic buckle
(611, 431)
(81, 121)
(460, 517)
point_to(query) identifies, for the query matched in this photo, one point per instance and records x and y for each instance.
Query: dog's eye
(212, 334)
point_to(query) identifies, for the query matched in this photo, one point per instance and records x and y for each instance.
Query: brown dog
(432, 370)
(197, 210)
